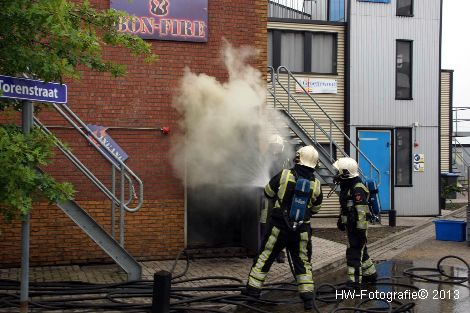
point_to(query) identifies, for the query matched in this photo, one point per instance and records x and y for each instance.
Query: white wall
(374, 29)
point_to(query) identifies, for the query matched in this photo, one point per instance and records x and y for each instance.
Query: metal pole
(121, 210)
(27, 123)
(113, 205)
(288, 92)
(468, 187)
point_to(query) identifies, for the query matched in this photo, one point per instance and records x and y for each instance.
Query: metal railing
(314, 10)
(126, 174)
(460, 156)
(318, 128)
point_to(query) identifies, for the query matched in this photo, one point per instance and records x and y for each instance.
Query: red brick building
(134, 107)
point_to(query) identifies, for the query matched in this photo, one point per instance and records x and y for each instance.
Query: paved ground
(412, 243)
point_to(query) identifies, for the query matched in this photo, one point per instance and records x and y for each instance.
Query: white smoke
(225, 126)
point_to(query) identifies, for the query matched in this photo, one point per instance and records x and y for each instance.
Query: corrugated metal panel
(330, 206)
(445, 121)
(423, 198)
(374, 31)
(307, 27)
(333, 104)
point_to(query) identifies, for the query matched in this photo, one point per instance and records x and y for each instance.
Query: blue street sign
(34, 90)
(108, 142)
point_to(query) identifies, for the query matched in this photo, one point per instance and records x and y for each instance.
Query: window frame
(410, 157)
(307, 68)
(411, 69)
(412, 10)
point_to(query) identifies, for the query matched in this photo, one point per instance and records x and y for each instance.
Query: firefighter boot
(251, 292)
(369, 279)
(307, 298)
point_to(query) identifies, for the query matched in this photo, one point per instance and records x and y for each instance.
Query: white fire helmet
(347, 168)
(307, 156)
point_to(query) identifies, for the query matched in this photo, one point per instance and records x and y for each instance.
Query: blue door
(375, 144)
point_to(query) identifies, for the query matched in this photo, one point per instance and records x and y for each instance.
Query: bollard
(392, 218)
(161, 292)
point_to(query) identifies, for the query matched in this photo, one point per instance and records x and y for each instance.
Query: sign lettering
(30, 89)
(179, 20)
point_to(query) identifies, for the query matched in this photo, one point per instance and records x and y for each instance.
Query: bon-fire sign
(179, 20)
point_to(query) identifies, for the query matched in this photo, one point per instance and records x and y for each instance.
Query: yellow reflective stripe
(305, 287)
(316, 208)
(268, 190)
(370, 271)
(303, 255)
(264, 212)
(351, 273)
(304, 279)
(254, 283)
(255, 273)
(283, 184)
(368, 268)
(268, 249)
(316, 189)
(361, 216)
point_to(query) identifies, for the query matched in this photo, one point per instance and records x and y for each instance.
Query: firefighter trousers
(299, 246)
(357, 257)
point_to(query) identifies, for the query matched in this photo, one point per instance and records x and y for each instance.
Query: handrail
(456, 142)
(123, 168)
(81, 167)
(315, 122)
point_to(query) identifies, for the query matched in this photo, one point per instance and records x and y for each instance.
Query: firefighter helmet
(307, 156)
(347, 168)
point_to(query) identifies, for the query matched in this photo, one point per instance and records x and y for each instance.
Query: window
(403, 172)
(323, 53)
(404, 65)
(292, 51)
(305, 52)
(404, 7)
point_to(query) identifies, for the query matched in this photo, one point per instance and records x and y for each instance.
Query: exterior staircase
(127, 180)
(460, 164)
(310, 124)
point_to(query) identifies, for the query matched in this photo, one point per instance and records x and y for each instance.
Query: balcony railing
(312, 10)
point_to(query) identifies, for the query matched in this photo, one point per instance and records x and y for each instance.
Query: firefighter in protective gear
(354, 197)
(280, 234)
(278, 161)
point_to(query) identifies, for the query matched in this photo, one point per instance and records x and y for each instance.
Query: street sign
(33, 90)
(108, 142)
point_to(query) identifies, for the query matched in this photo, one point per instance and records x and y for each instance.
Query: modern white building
(390, 98)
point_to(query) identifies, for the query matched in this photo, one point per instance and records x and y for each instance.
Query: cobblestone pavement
(327, 255)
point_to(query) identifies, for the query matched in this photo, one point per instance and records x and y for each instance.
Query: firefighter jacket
(281, 189)
(354, 201)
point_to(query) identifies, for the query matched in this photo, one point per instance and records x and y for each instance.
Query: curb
(405, 232)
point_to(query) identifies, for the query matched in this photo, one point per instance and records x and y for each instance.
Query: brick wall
(141, 99)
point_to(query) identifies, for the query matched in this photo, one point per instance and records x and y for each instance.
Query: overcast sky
(456, 53)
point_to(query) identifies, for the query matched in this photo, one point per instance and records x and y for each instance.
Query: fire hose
(135, 296)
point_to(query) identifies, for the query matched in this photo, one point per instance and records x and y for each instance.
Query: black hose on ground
(135, 296)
